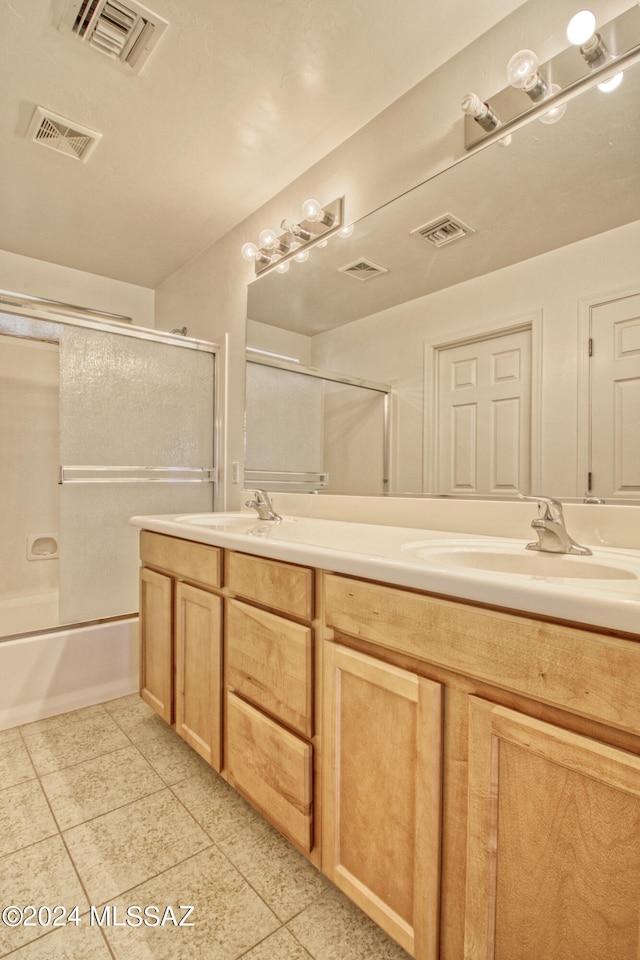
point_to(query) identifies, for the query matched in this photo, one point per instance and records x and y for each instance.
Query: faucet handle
(552, 508)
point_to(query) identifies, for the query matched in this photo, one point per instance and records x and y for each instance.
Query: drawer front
(182, 558)
(269, 662)
(514, 652)
(272, 768)
(282, 586)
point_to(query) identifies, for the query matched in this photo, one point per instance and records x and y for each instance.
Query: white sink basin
(224, 522)
(511, 558)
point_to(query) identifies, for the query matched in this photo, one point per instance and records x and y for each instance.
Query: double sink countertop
(601, 590)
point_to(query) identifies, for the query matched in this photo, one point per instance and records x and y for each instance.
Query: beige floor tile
(25, 817)
(228, 916)
(136, 718)
(89, 789)
(42, 875)
(122, 849)
(13, 733)
(333, 928)
(281, 945)
(74, 716)
(285, 879)
(172, 758)
(215, 805)
(81, 942)
(15, 765)
(62, 744)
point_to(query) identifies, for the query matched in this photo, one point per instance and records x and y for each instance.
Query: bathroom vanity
(457, 746)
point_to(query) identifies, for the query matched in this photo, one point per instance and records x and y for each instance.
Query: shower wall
(28, 488)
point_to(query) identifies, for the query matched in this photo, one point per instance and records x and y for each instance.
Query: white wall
(390, 345)
(52, 282)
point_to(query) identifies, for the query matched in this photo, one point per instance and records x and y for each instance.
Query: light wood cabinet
(156, 642)
(272, 767)
(470, 777)
(381, 831)
(540, 787)
(198, 693)
(553, 866)
(270, 724)
(181, 639)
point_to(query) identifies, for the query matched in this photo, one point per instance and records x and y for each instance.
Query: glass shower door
(136, 437)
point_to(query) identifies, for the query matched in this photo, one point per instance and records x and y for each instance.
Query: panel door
(615, 398)
(381, 794)
(198, 628)
(553, 844)
(484, 415)
(156, 642)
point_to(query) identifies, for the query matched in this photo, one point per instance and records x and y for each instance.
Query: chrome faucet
(552, 533)
(262, 504)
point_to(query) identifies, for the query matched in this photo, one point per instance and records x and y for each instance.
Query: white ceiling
(238, 99)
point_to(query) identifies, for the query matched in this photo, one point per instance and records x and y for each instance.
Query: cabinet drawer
(269, 662)
(183, 558)
(511, 651)
(282, 586)
(273, 768)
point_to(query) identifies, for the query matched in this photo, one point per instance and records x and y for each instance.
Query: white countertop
(449, 564)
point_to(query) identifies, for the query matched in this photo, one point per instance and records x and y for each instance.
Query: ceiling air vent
(127, 32)
(443, 230)
(65, 136)
(363, 269)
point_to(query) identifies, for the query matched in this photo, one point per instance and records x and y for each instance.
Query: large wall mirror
(485, 339)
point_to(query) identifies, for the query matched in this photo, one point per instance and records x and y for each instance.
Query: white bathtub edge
(49, 674)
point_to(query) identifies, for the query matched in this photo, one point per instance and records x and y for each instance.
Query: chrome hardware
(550, 528)
(263, 505)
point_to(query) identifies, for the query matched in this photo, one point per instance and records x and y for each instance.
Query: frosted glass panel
(125, 402)
(284, 420)
(98, 547)
(133, 402)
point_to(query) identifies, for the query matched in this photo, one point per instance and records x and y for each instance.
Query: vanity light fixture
(523, 74)
(557, 112)
(581, 32)
(543, 91)
(481, 112)
(274, 250)
(612, 83)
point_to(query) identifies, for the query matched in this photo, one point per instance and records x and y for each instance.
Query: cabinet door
(198, 627)
(553, 867)
(381, 794)
(156, 642)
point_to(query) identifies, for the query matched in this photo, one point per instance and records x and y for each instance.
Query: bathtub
(44, 674)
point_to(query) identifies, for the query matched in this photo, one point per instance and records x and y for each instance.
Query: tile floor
(107, 806)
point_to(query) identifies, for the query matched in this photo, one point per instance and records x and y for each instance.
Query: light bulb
(302, 256)
(346, 231)
(612, 84)
(581, 27)
(268, 239)
(250, 252)
(521, 67)
(312, 210)
(554, 113)
(282, 267)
